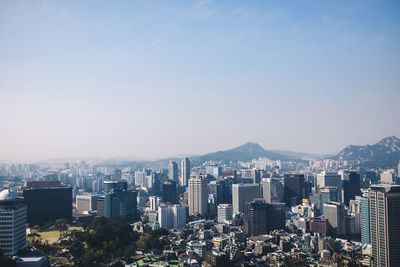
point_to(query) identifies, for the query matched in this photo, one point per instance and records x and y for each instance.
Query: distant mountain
(245, 152)
(298, 155)
(384, 154)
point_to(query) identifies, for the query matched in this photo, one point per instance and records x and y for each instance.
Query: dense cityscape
(199, 133)
(261, 212)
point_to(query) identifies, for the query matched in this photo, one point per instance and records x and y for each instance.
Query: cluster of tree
(106, 240)
(101, 242)
(153, 240)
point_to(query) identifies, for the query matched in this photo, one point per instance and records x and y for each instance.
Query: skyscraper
(364, 220)
(224, 212)
(120, 202)
(255, 217)
(261, 218)
(198, 196)
(272, 189)
(140, 178)
(185, 172)
(173, 171)
(41, 202)
(351, 186)
(330, 179)
(384, 200)
(327, 194)
(243, 193)
(276, 213)
(293, 189)
(171, 216)
(12, 222)
(169, 192)
(334, 212)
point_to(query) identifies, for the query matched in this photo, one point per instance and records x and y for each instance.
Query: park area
(52, 236)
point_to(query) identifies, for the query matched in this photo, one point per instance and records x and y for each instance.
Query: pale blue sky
(159, 78)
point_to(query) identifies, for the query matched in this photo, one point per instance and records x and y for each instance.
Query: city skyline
(102, 80)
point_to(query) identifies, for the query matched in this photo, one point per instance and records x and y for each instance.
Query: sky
(152, 79)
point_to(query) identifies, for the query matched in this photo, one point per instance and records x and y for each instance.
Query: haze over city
(99, 79)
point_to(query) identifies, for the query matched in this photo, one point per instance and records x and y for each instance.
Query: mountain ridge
(384, 154)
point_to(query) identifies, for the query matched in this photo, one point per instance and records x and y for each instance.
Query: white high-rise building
(325, 179)
(243, 193)
(185, 172)
(12, 223)
(141, 178)
(224, 212)
(173, 171)
(171, 216)
(197, 195)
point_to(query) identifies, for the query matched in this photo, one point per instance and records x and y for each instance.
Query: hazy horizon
(157, 79)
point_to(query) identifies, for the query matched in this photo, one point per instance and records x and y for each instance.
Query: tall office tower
(384, 201)
(13, 221)
(171, 216)
(334, 212)
(255, 217)
(158, 179)
(330, 179)
(217, 188)
(351, 186)
(198, 196)
(251, 176)
(86, 203)
(47, 204)
(119, 202)
(185, 172)
(140, 178)
(225, 212)
(154, 202)
(327, 194)
(173, 171)
(168, 192)
(272, 190)
(388, 177)
(350, 225)
(276, 213)
(293, 189)
(150, 181)
(243, 193)
(100, 206)
(212, 205)
(364, 220)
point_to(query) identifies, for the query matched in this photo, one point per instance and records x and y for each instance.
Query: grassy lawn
(50, 236)
(53, 235)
